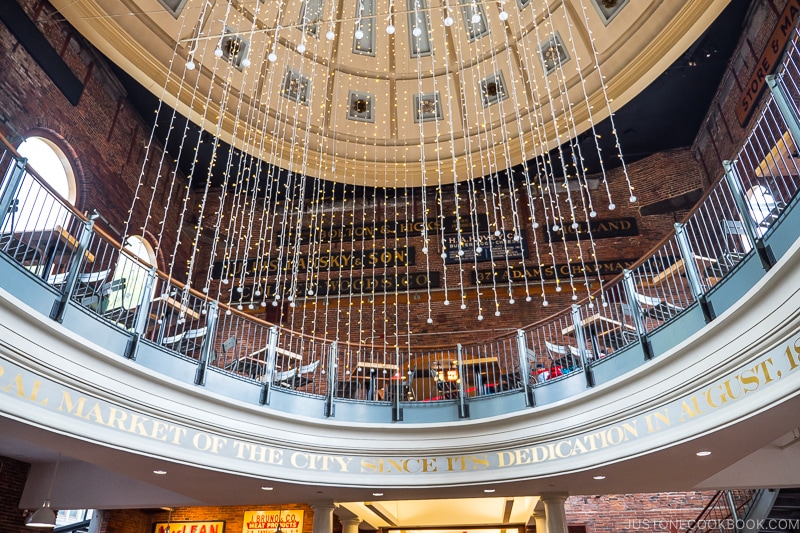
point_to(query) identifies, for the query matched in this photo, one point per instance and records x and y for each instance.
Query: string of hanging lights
(363, 176)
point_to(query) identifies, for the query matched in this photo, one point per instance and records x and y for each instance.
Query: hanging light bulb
(503, 15)
(390, 29)
(416, 32)
(330, 35)
(359, 34)
(45, 516)
(246, 62)
(273, 57)
(476, 18)
(190, 65)
(448, 21)
(218, 52)
(301, 48)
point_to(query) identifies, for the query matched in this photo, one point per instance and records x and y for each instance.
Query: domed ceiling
(394, 92)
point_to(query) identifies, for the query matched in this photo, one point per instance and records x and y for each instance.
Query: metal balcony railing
(59, 247)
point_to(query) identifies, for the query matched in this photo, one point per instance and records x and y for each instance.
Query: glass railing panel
(371, 372)
(612, 321)
(178, 319)
(301, 364)
(716, 235)
(788, 74)
(552, 345)
(660, 287)
(767, 169)
(39, 230)
(489, 368)
(351, 382)
(241, 346)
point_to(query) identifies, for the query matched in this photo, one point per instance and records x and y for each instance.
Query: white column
(350, 525)
(555, 516)
(323, 517)
(541, 522)
(97, 519)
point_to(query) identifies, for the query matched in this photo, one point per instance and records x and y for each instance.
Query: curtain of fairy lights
(357, 204)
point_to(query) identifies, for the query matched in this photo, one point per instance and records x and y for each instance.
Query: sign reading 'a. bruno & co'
(289, 521)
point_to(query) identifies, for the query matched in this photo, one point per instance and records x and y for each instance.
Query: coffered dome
(394, 92)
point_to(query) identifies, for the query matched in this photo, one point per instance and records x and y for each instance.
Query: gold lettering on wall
(18, 384)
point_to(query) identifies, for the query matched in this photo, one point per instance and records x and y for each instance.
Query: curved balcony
(101, 347)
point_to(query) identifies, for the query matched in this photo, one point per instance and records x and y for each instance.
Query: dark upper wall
(721, 134)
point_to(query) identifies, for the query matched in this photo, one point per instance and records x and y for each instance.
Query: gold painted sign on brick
(291, 521)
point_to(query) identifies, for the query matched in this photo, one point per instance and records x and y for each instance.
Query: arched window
(130, 276)
(35, 207)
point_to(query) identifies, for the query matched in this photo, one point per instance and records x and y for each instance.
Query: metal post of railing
(333, 368)
(206, 349)
(524, 369)
(692, 273)
(750, 225)
(397, 411)
(9, 188)
(272, 356)
(60, 305)
(784, 107)
(142, 314)
(577, 323)
(636, 312)
(732, 505)
(463, 408)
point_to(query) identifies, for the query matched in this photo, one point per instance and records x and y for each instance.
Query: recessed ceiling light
(598, 477)
(377, 494)
(266, 488)
(703, 453)
(488, 491)
(160, 472)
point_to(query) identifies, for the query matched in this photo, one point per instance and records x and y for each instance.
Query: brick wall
(142, 521)
(377, 317)
(12, 480)
(629, 513)
(103, 135)
(721, 134)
